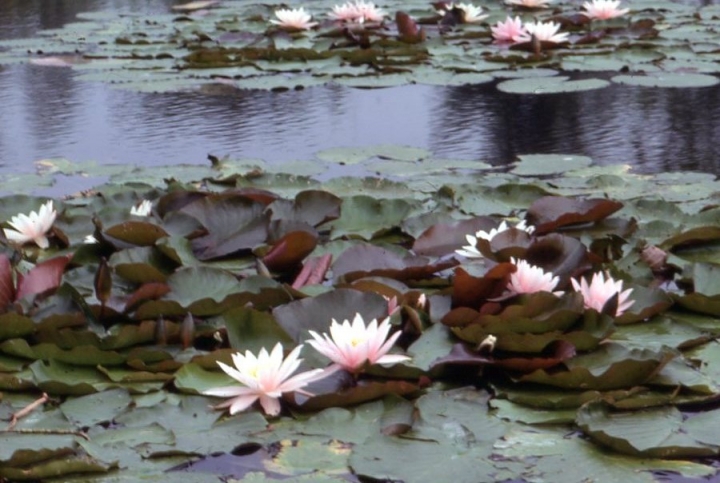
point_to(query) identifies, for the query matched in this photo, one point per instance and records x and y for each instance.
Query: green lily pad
(668, 79)
(550, 85)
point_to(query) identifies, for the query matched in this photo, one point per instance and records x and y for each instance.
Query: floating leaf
(44, 277)
(667, 79)
(550, 85)
(552, 212)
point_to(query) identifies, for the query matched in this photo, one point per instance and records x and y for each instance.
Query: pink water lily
(600, 290)
(543, 31)
(369, 12)
(32, 227)
(295, 19)
(352, 346)
(264, 378)
(357, 11)
(530, 279)
(603, 9)
(509, 29)
(346, 12)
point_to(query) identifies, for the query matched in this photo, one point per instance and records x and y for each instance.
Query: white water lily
(603, 9)
(264, 378)
(471, 251)
(470, 12)
(296, 18)
(600, 290)
(143, 209)
(543, 31)
(352, 346)
(32, 227)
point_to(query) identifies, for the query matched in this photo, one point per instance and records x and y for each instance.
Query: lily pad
(550, 85)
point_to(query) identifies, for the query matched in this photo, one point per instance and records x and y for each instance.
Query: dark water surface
(45, 113)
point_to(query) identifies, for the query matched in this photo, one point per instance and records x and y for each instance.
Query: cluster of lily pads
(522, 307)
(232, 45)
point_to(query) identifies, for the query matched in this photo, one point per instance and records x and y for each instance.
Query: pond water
(47, 113)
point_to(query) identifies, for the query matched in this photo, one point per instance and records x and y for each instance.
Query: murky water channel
(45, 112)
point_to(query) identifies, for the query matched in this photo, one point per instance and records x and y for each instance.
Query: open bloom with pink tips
(265, 378)
(347, 12)
(509, 29)
(530, 279)
(600, 290)
(543, 31)
(32, 227)
(471, 250)
(369, 11)
(295, 19)
(352, 346)
(357, 11)
(603, 9)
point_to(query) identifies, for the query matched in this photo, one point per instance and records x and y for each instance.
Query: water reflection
(23, 18)
(47, 113)
(655, 130)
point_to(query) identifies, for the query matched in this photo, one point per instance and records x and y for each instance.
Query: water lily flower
(487, 343)
(543, 31)
(352, 346)
(346, 12)
(421, 302)
(296, 19)
(470, 13)
(392, 304)
(509, 29)
(265, 378)
(530, 279)
(471, 250)
(368, 12)
(32, 227)
(143, 209)
(600, 290)
(528, 3)
(603, 9)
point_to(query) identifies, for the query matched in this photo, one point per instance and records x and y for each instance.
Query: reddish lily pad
(288, 252)
(552, 212)
(7, 288)
(443, 238)
(234, 222)
(338, 391)
(44, 277)
(470, 291)
(461, 354)
(365, 260)
(313, 207)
